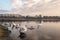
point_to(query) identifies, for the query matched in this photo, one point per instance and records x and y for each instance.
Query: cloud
(16, 3)
(35, 6)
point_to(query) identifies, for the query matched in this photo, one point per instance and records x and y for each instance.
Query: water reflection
(35, 30)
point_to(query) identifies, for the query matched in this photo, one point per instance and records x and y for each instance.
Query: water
(39, 31)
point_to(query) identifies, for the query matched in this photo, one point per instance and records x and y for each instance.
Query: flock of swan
(20, 27)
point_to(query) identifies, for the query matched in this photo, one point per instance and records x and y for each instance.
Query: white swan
(22, 28)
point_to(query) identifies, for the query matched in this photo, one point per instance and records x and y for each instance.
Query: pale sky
(5, 4)
(35, 7)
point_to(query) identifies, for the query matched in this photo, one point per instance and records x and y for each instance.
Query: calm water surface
(40, 31)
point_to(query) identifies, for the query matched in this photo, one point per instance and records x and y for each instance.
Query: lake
(40, 31)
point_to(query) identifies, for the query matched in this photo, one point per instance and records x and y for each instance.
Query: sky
(32, 7)
(5, 4)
